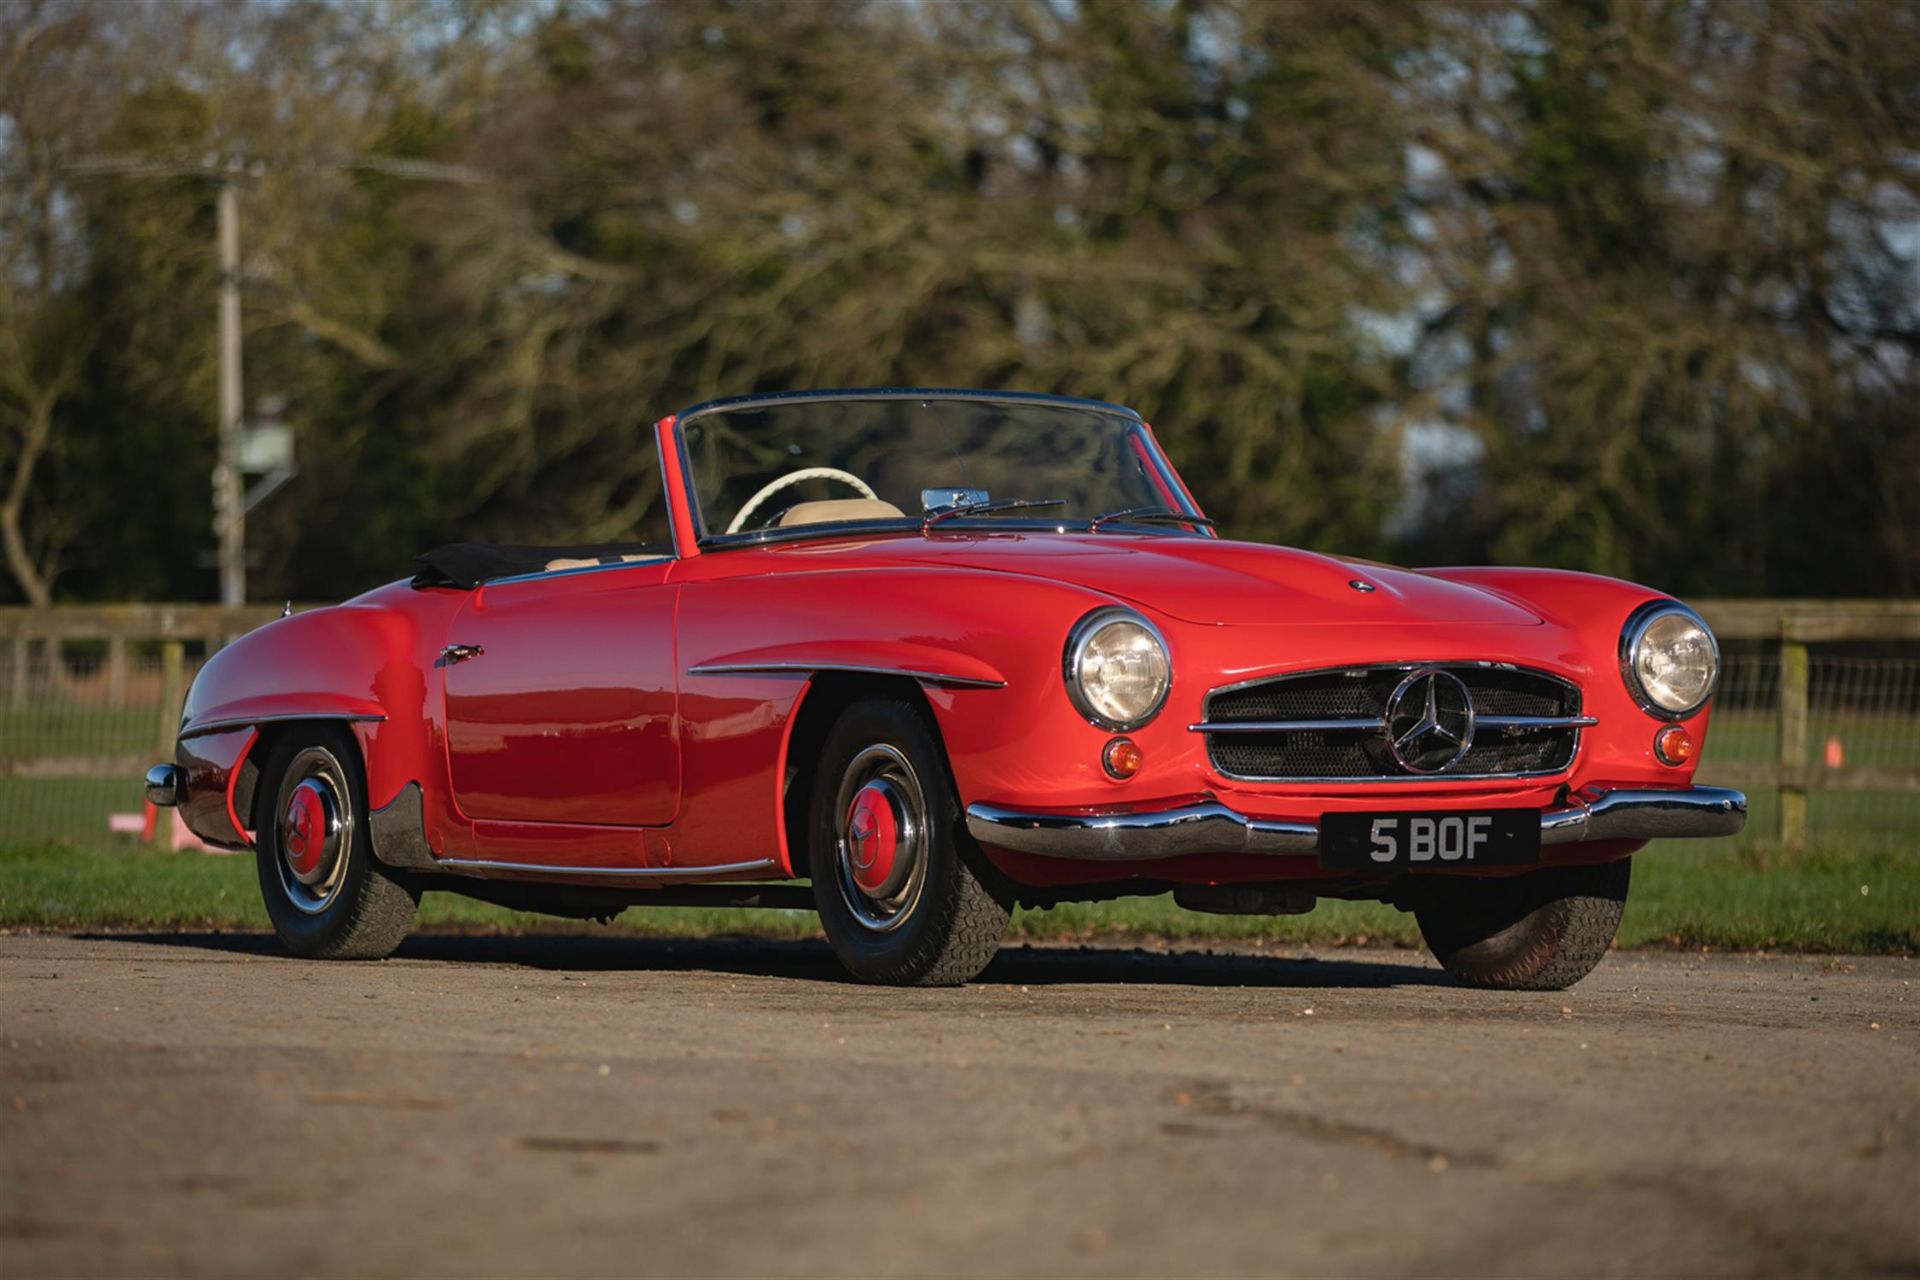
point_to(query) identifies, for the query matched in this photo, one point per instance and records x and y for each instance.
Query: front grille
(1360, 751)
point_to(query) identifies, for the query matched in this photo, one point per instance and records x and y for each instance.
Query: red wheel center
(306, 828)
(873, 837)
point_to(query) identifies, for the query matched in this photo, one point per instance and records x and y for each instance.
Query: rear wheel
(901, 893)
(326, 895)
(1543, 931)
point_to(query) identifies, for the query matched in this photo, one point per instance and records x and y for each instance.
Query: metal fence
(1824, 739)
(89, 697)
(1853, 776)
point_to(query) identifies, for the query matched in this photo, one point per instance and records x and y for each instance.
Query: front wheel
(894, 877)
(1543, 931)
(326, 895)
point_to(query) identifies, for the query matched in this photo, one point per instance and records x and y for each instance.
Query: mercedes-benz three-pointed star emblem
(1430, 721)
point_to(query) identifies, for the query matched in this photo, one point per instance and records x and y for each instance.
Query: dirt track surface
(198, 1105)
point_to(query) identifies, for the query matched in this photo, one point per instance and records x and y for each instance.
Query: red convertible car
(942, 653)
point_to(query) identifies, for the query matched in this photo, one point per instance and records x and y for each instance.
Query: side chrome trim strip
(247, 722)
(1141, 835)
(808, 668)
(479, 866)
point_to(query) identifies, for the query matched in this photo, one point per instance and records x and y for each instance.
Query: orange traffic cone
(1836, 754)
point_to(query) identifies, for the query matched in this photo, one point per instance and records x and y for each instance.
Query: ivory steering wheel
(793, 478)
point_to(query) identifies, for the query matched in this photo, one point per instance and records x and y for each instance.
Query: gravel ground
(197, 1105)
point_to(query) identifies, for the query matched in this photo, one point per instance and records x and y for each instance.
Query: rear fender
(368, 664)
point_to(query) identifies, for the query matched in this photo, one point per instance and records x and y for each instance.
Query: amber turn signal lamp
(1673, 745)
(1121, 758)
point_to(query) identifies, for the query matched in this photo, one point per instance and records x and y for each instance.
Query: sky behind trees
(1627, 287)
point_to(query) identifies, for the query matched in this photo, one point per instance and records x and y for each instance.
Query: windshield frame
(1137, 428)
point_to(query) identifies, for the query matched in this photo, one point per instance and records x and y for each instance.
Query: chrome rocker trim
(482, 866)
(1214, 828)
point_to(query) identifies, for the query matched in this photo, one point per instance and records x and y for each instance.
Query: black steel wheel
(327, 896)
(903, 892)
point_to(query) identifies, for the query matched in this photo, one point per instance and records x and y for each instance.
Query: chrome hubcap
(881, 830)
(313, 830)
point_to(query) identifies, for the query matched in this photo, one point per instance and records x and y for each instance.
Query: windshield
(808, 463)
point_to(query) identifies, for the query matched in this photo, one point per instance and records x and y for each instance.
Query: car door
(561, 700)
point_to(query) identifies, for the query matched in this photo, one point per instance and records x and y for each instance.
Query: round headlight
(1116, 669)
(1669, 659)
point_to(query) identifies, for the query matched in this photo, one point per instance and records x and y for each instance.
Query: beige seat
(588, 564)
(839, 509)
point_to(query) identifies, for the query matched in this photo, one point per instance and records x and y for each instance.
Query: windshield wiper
(987, 508)
(1143, 514)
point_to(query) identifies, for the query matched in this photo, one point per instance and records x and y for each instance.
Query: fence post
(1793, 742)
(17, 692)
(173, 662)
(116, 671)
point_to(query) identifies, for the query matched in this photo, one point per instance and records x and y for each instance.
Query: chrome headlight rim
(1077, 640)
(1638, 623)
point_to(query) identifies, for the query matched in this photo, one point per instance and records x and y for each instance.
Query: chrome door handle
(460, 653)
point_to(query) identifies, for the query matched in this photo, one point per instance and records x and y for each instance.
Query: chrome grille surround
(1329, 725)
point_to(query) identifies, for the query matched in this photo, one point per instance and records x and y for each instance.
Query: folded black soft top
(468, 564)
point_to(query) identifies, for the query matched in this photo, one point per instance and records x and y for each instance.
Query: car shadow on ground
(808, 960)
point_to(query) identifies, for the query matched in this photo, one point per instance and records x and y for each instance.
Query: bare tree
(49, 54)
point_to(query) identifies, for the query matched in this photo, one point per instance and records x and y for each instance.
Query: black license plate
(1429, 841)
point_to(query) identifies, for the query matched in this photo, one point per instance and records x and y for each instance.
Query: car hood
(1214, 581)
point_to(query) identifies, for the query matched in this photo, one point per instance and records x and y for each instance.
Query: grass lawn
(1866, 738)
(1842, 900)
(69, 729)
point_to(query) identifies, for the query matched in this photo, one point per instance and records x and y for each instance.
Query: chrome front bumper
(1139, 835)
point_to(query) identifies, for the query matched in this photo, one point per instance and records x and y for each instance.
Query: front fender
(985, 647)
(1594, 610)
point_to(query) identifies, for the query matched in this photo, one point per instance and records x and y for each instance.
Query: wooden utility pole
(229, 511)
(230, 500)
